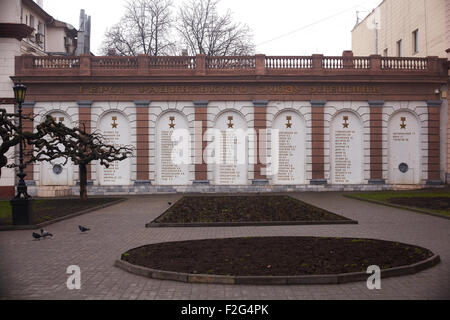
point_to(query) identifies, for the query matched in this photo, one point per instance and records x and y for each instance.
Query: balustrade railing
(114, 62)
(200, 64)
(333, 62)
(230, 63)
(288, 62)
(56, 62)
(361, 63)
(172, 62)
(404, 63)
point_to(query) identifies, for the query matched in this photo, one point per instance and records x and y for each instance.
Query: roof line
(368, 15)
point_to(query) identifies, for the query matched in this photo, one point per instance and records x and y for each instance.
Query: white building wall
(9, 48)
(397, 19)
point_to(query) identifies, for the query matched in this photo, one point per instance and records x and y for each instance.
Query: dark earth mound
(216, 209)
(275, 256)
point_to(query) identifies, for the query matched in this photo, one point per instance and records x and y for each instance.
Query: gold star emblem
(345, 124)
(230, 123)
(172, 124)
(403, 124)
(288, 124)
(114, 124)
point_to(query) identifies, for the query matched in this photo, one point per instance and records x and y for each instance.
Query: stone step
(54, 192)
(400, 187)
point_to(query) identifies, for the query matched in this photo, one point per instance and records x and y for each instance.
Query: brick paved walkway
(37, 269)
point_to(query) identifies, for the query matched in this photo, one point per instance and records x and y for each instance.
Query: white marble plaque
(116, 131)
(346, 149)
(291, 149)
(404, 149)
(56, 173)
(173, 145)
(233, 150)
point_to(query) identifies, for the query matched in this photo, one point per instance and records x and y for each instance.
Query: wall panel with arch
(230, 149)
(404, 148)
(56, 173)
(346, 149)
(288, 149)
(116, 130)
(118, 120)
(173, 149)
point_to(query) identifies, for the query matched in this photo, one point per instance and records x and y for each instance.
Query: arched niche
(115, 128)
(231, 164)
(404, 149)
(347, 155)
(288, 149)
(173, 155)
(56, 173)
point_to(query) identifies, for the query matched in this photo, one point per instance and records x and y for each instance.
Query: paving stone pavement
(37, 269)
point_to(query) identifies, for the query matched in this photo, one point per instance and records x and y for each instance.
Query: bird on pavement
(45, 234)
(36, 236)
(83, 229)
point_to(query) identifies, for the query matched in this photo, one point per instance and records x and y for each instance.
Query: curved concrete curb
(277, 280)
(248, 224)
(79, 213)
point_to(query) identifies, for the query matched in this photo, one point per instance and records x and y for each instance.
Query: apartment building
(404, 28)
(27, 29)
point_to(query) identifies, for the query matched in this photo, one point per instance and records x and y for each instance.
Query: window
(386, 52)
(415, 41)
(399, 48)
(32, 21)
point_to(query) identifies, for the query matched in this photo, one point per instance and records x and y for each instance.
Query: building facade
(26, 28)
(404, 28)
(299, 123)
(408, 28)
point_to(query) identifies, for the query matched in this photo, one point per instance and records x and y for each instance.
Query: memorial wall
(248, 124)
(232, 147)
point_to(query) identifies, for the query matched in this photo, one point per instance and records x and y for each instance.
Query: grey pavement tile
(122, 227)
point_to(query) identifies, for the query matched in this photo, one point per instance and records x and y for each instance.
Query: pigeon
(170, 203)
(45, 234)
(36, 236)
(83, 229)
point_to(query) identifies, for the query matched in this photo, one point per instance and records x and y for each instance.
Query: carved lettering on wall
(404, 149)
(347, 151)
(291, 154)
(293, 89)
(115, 130)
(169, 170)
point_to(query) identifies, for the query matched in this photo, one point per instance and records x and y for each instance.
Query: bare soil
(215, 209)
(275, 256)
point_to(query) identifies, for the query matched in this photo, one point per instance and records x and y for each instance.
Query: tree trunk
(83, 182)
(3, 163)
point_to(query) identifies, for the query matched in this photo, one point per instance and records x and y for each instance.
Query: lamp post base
(22, 211)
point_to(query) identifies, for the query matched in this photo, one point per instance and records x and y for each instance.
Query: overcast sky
(280, 27)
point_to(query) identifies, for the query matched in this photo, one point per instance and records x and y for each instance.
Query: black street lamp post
(22, 204)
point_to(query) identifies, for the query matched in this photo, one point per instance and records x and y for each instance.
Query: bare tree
(10, 137)
(204, 31)
(144, 29)
(77, 145)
